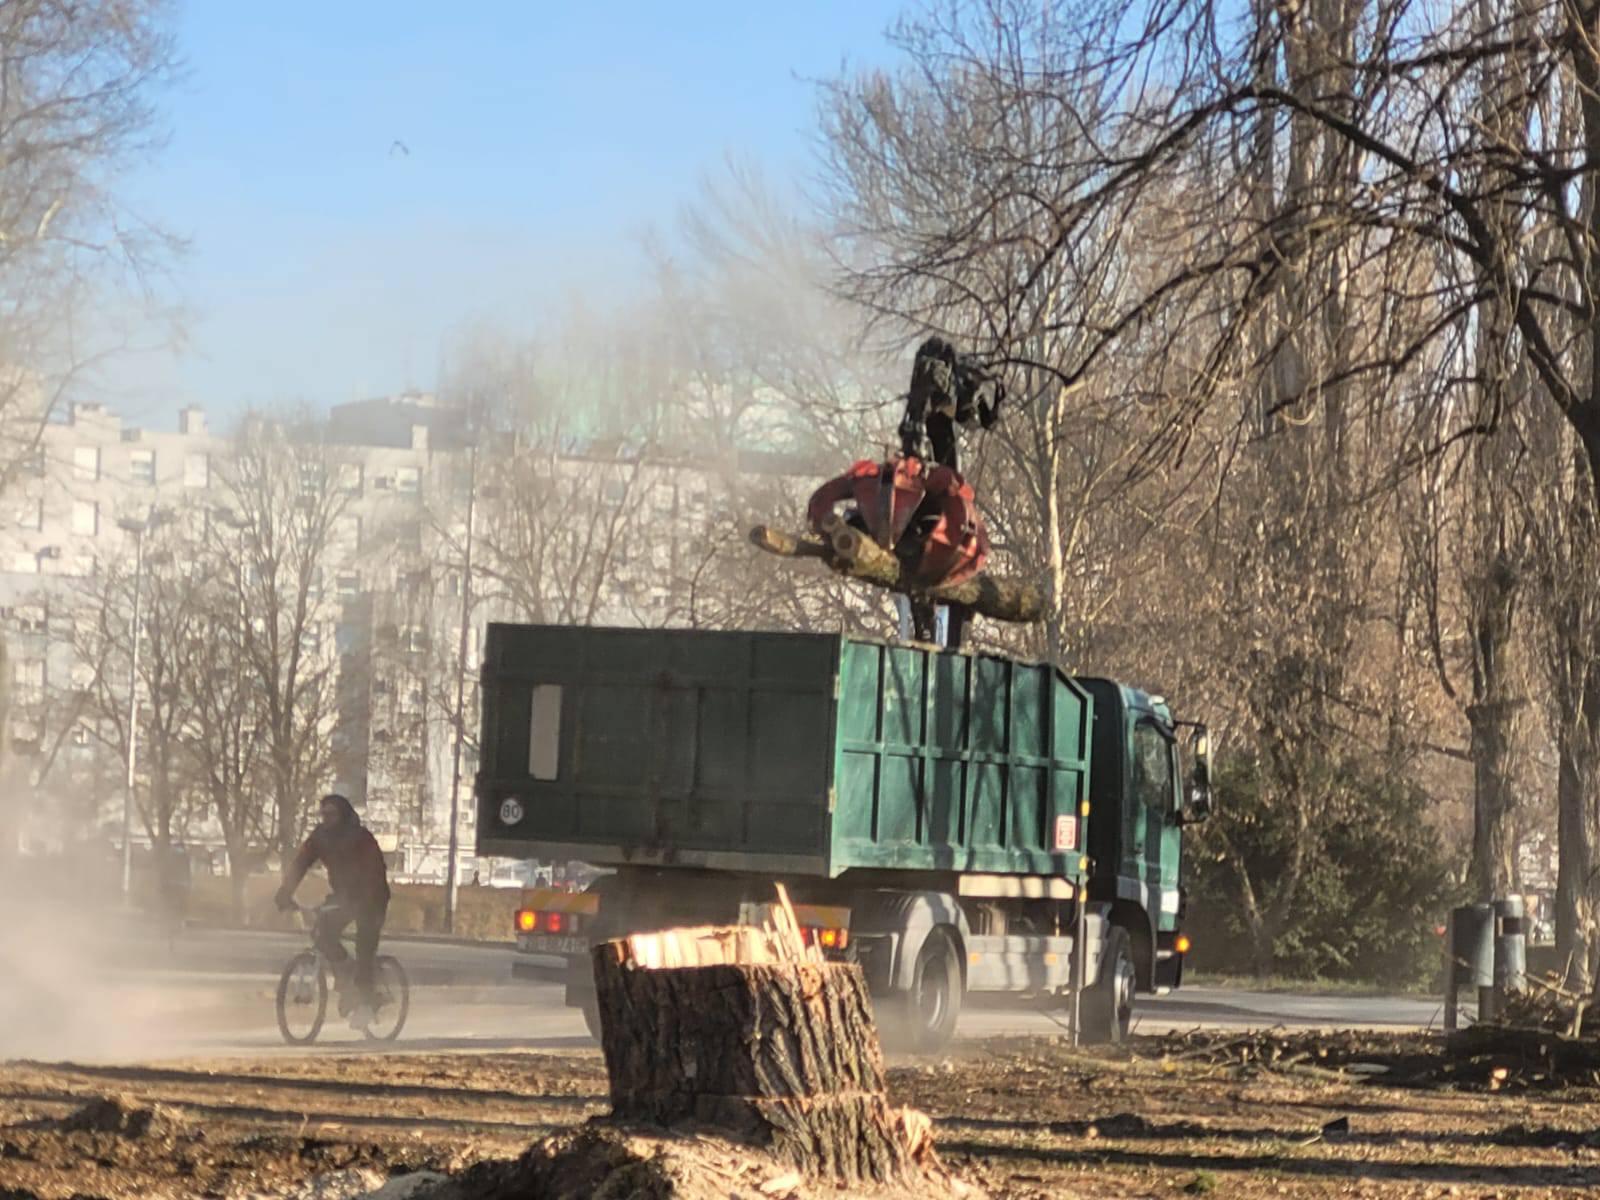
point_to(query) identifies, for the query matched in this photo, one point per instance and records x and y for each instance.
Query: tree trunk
(238, 875)
(851, 553)
(1574, 866)
(783, 1053)
(1493, 836)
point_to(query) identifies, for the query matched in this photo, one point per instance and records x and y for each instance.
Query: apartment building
(73, 513)
(391, 600)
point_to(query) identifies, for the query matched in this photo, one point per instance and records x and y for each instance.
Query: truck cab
(1139, 811)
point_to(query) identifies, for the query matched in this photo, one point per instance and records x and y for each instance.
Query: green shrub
(1376, 880)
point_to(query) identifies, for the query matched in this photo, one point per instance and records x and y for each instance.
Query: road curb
(421, 939)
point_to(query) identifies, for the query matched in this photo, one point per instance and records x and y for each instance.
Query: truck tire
(923, 1018)
(1107, 1005)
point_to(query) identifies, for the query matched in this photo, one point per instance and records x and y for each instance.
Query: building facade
(556, 536)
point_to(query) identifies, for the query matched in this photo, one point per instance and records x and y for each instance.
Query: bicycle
(303, 991)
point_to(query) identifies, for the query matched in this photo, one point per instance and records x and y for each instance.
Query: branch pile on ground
(1548, 1005)
(1344, 1051)
(1545, 1036)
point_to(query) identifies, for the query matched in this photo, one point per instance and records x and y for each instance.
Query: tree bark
(784, 1054)
(851, 553)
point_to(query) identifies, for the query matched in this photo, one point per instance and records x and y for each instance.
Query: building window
(348, 585)
(28, 678)
(350, 478)
(80, 734)
(86, 464)
(408, 479)
(196, 470)
(86, 517)
(416, 638)
(31, 515)
(347, 531)
(142, 467)
(313, 477)
(32, 618)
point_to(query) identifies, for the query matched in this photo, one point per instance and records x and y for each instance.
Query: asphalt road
(210, 992)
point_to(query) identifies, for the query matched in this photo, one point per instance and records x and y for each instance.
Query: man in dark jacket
(359, 879)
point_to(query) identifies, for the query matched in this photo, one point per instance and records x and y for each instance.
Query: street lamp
(138, 528)
(452, 872)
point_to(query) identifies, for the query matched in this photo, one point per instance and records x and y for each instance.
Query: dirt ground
(1218, 1114)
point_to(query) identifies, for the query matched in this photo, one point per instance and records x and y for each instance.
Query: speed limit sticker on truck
(1066, 833)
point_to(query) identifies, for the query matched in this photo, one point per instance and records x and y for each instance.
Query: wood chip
(779, 1184)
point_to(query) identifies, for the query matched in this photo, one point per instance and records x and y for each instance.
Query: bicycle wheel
(302, 998)
(391, 999)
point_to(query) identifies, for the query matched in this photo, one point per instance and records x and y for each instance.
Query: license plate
(549, 943)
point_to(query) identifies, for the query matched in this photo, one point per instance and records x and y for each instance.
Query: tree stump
(754, 1039)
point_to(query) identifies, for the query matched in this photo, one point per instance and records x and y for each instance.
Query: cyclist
(359, 878)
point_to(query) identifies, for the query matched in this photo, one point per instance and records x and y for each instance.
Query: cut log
(853, 554)
(781, 1051)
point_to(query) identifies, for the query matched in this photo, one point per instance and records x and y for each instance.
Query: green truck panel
(777, 752)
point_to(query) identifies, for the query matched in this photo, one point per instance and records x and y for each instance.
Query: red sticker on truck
(1066, 833)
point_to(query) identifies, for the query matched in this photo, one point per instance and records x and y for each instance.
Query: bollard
(1510, 949)
(1471, 959)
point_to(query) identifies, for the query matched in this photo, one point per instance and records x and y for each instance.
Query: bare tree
(172, 627)
(224, 753)
(1339, 220)
(78, 84)
(281, 491)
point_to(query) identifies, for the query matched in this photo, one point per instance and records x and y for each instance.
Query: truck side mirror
(1200, 780)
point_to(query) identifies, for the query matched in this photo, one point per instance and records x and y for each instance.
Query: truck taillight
(532, 920)
(828, 939)
(1182, 944)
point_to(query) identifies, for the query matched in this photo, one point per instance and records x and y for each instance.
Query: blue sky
(543, 139)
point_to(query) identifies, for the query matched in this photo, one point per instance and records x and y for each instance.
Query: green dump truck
(938, 817)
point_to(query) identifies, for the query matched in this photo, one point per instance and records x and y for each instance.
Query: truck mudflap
(1172, 948)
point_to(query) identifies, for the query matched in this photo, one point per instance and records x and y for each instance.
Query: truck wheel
(1107, 1005)
(923, 1018)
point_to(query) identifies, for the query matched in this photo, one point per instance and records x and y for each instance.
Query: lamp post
(226, 517)
(138, 529)
(452, 872)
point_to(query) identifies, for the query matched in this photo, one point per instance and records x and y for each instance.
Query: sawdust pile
(609, 1162)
